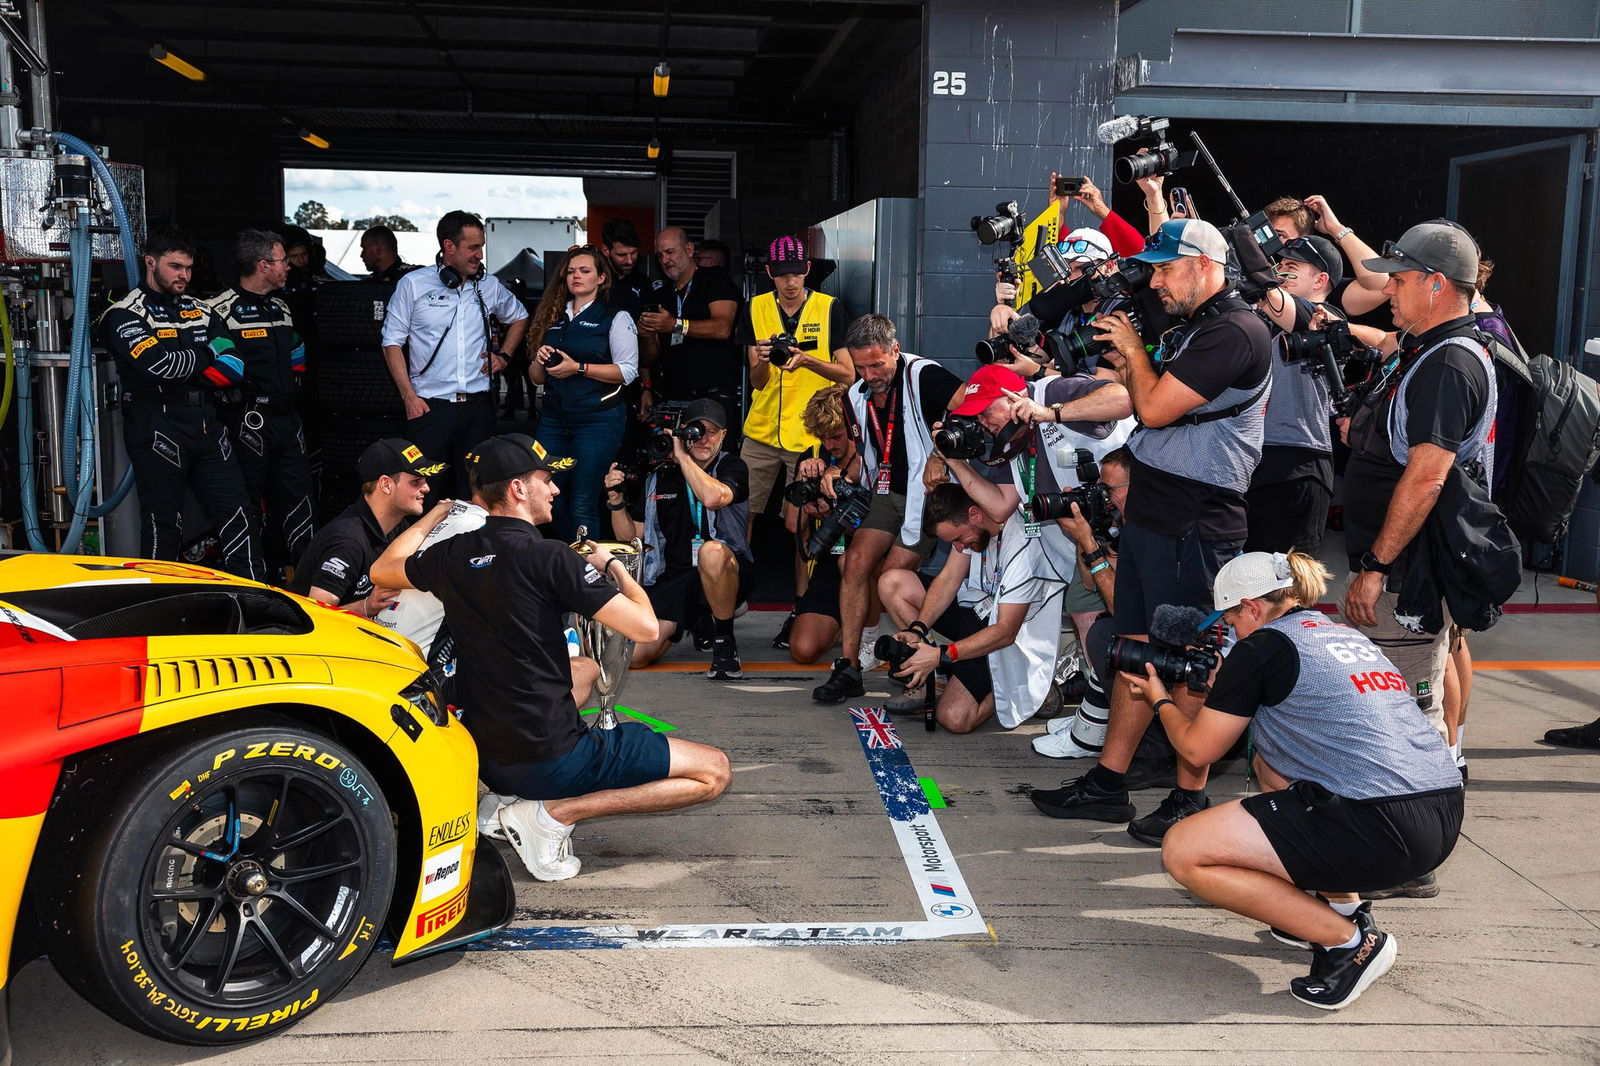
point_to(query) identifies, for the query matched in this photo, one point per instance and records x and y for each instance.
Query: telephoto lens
(1080, 345)
(1192, 666)
(894, 652)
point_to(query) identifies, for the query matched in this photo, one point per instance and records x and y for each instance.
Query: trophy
(610, 649)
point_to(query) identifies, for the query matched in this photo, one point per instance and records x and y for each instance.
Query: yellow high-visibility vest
(776, 409)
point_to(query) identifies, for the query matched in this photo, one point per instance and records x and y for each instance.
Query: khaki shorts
(765, 463)
(888, 513)
(1421, 658)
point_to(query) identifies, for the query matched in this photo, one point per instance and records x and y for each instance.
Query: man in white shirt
(439, 339)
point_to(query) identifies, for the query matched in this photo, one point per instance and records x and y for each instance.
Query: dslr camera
(1332, 352)
(991, 349)
(1091, 496)
(664, 422)
(1179, 649)
(851, 503)
(784, 347)
(961, 437)
(1080, 345)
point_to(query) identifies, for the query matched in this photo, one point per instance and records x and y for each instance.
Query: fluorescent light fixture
(653, 149)
(662, 77)
(313, 140)
(160, 54)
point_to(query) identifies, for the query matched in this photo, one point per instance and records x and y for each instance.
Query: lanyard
(884, 441)
(1028, 473)
(682, 296)
(697, 511)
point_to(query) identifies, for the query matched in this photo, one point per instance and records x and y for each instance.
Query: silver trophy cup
(610, 649)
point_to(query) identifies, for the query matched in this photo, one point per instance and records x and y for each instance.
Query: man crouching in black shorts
(505, 591)
(1363, 794)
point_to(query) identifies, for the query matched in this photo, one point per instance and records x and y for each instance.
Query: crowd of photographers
(1123, 497)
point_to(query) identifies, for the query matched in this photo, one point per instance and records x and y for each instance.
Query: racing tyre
(224, 889)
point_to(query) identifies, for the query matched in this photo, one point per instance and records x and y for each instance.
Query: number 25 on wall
(949, 83)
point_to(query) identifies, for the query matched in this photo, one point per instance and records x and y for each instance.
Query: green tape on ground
(656, 725)
(930, 788)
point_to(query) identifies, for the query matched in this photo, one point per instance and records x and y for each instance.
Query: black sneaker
(1081, 799)
(843, 684)
(1151, 773)
(1339, 975)
(782, 639)
(725, 662)
(1175, 808)
(1424, 887)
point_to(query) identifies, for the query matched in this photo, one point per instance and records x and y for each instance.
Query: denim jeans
(591, 439)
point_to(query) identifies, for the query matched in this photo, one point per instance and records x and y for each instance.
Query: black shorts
(956, 623)
(677, 595)
(822, 591)
(1331, 844)
(1291, 514)
(1154, 568)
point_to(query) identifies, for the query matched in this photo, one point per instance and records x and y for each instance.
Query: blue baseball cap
(1185, 237)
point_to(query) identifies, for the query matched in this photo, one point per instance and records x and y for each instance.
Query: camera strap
(1226, 412)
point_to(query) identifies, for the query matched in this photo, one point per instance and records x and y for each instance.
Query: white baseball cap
(1085, 245)
(1250, 576)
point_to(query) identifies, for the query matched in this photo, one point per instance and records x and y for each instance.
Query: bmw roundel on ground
(216, 798)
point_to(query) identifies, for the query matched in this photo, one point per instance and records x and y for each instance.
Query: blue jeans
(591, 440)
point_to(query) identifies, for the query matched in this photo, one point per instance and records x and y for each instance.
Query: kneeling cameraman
(1368, 795)
(813, 627)
(987, 597)
(694, 509)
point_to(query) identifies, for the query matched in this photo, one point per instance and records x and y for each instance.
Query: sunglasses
(1078, 247)
(1391, 250)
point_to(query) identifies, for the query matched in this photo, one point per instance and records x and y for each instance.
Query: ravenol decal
(441, 873)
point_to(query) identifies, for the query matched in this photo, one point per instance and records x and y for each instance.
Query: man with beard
(172, 356)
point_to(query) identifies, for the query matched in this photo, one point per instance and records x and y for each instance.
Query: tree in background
(398, 223)
(311, 215)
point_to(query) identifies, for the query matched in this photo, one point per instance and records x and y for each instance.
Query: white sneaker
(1061, 746)
(865, 657)
(489, 814)
(1062, 723)
(547, 853)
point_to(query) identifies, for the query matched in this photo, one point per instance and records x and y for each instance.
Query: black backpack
(1555, 413)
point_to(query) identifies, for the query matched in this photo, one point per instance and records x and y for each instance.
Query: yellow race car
(217, 797)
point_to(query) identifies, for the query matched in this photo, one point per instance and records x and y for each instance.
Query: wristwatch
(1090, 558)
(1370, 562)
(1055, 411)
(680, 328)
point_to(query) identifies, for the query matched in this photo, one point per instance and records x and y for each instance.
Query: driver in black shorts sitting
(505, 592)
(1363, 792)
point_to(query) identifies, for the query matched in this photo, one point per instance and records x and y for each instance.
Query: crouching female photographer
(1369, 796)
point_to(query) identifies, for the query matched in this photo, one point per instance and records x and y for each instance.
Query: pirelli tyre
(227, 887)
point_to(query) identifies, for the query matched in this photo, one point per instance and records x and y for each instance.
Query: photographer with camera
(987, 601)
(889, 413)
(1292, 487)
(794, 345)
(690, 313)
(1201, 416)
(584, 353)
(691, 507)
(1363, 793)
(821, 525)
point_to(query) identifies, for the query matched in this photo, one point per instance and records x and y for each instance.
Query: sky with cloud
(423, 197)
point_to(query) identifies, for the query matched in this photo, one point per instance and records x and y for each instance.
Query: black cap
(1318, 252)
(705, 409)
(391, 456)
(512, 455)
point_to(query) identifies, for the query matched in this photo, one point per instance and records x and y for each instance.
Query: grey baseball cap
(1437, 247)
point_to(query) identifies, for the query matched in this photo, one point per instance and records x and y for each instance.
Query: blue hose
(30, 496)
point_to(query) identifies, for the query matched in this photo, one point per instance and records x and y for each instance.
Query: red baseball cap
(983, 388)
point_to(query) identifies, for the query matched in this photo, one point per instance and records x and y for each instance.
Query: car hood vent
(167, 679)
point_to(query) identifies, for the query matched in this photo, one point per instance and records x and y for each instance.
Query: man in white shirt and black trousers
(439, 341)
(506, 592)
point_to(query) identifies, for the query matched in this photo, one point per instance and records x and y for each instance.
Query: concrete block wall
(1009, 93)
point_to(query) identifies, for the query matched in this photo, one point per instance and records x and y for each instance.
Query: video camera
(1332, 352)
(1092, 497)
(851, 502)
(1179, 648)
(1004, 225)
(1159, 160)
(664, 422)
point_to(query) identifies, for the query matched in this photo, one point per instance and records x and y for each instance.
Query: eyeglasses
(1077, 247)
